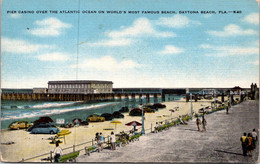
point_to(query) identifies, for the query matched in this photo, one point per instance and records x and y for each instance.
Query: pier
(117, 94)
(76, 97)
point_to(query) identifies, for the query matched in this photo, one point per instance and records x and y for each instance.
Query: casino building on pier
(80, 86)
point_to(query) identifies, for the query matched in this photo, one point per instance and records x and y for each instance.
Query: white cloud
(18, 46)
(49, 27)
(232, 30)
(55, 56)
(140, 27)
(256, 62)
(107, 63)
(177, 21)
(252, 18)
(113, 42)
(170, 49)
(16, 16)
(230, 50)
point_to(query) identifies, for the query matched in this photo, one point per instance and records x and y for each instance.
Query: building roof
(80, 82)
(236, 88)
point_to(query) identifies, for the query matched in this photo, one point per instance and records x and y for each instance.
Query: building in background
(236, 90)
(80, 86)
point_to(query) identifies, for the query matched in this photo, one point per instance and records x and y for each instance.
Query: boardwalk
(184, 144)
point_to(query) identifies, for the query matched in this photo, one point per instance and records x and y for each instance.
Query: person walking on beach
(204, 123)
(254, 136)
(113, 141)
(244, 143)
(250, 144)
(57, 153)
(198, 122)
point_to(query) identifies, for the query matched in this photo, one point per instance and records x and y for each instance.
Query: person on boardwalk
(97, 138)
(198, 122)
(204, 123)
(113, 141)
(156, 127)
(101, 140)
(250, 144)
(244, 142)
(57, 153)
(227, 108)
(181, 121)
(254, 136)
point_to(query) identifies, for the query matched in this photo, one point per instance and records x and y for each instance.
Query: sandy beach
(27, 145)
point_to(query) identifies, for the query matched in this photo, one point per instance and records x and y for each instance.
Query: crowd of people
(248, 142)
(100, 140)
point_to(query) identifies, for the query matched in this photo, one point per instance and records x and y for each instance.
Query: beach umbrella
(44, 120)
(63, 133)
(77, 120)
(171, 110)
(134, 124)
(115, 122)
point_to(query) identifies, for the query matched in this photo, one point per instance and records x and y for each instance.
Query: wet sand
(28, 145)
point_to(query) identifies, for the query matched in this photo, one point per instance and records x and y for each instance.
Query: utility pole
(143, 130)
(191, 111)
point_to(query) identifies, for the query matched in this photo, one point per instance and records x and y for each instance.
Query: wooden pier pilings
(74, 97)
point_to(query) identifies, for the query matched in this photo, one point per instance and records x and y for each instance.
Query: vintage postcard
(130, 81)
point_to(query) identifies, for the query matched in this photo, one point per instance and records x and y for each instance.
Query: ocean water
(31, 110)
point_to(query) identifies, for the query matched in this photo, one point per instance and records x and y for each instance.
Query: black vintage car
(152, 107)
(135, 112)
(159, 105)
(124, 109)
(84, 123)
(118, 115)
(107, 116)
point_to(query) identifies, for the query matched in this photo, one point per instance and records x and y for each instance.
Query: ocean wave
(41, 106)
(40, 113)
(54, 105)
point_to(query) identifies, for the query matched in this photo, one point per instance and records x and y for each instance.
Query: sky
(143, 47)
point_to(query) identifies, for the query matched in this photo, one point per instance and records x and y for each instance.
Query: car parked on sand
(135, 112)
(83, 123)
(159, 105)
(107, 116)
(45, 129)
(124, 109)
(19, 125)
(148, 110)
(117, 114)
(33, 126)
(152, 107)
(95, 118)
